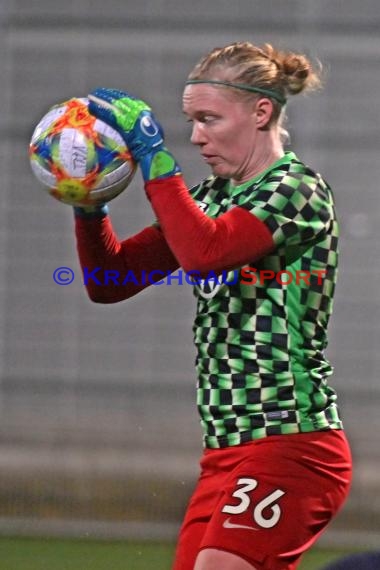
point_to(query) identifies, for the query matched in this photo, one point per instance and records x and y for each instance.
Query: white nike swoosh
(228, 524)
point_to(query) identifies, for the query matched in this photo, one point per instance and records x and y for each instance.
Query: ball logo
(148, 127)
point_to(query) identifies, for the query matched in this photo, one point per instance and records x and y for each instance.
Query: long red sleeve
(186, 237)
(112, 267)
(199, 242)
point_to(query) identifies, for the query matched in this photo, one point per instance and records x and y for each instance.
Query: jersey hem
(217, 442)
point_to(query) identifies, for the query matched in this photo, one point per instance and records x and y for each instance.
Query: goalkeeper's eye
(202, 119)
(207, 119)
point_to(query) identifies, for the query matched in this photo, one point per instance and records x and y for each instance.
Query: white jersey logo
(228, 524)
(213, 283)
(207, 288)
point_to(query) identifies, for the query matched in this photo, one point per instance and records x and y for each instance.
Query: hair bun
(297, 70)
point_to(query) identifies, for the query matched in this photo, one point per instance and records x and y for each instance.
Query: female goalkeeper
(276, 465)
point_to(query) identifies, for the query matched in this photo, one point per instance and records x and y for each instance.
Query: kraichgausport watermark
(245, 276)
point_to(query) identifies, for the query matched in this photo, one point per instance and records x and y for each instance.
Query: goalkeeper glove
(136, 124)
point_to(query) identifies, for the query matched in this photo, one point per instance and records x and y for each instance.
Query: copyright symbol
(63, 275)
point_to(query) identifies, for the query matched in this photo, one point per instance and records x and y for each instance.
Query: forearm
(199, 242)
(113, 269)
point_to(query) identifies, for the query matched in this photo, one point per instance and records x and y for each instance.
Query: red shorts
(268, 500)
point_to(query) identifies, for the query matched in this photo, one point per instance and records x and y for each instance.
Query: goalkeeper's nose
(198, 136)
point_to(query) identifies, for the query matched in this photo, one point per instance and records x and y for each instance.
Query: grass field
(54, 554)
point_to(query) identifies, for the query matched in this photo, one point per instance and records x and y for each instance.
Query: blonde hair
(265, 68)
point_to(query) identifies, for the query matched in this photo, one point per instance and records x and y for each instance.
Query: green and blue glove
(142, 133)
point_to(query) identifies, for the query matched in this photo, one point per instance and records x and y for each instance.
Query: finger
(102, 110)
(100, 102)
(110, 94)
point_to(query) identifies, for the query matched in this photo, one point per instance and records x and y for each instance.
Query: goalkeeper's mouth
(210, 158)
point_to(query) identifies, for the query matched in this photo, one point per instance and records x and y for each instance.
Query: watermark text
(245, 276)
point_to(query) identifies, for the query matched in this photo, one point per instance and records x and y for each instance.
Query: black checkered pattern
(260, 347)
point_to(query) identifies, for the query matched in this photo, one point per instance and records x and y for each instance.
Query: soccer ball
(79, 159)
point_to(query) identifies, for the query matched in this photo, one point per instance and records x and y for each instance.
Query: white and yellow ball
(78, 159)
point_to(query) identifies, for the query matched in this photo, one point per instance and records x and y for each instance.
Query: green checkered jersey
(260, 341)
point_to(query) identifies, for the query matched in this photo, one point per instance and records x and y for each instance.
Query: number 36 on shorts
(246, 497)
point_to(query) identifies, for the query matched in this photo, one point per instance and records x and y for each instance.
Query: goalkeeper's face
(231, 132)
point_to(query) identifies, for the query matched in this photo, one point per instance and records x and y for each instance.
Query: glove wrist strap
(91, 212)
(158, 163)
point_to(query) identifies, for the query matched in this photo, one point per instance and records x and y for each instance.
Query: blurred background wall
(98, 427)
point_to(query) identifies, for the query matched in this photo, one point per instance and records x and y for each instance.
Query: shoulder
(291, 179)
(201, 190)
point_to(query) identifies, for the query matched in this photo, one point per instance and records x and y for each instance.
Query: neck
(268, 150)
